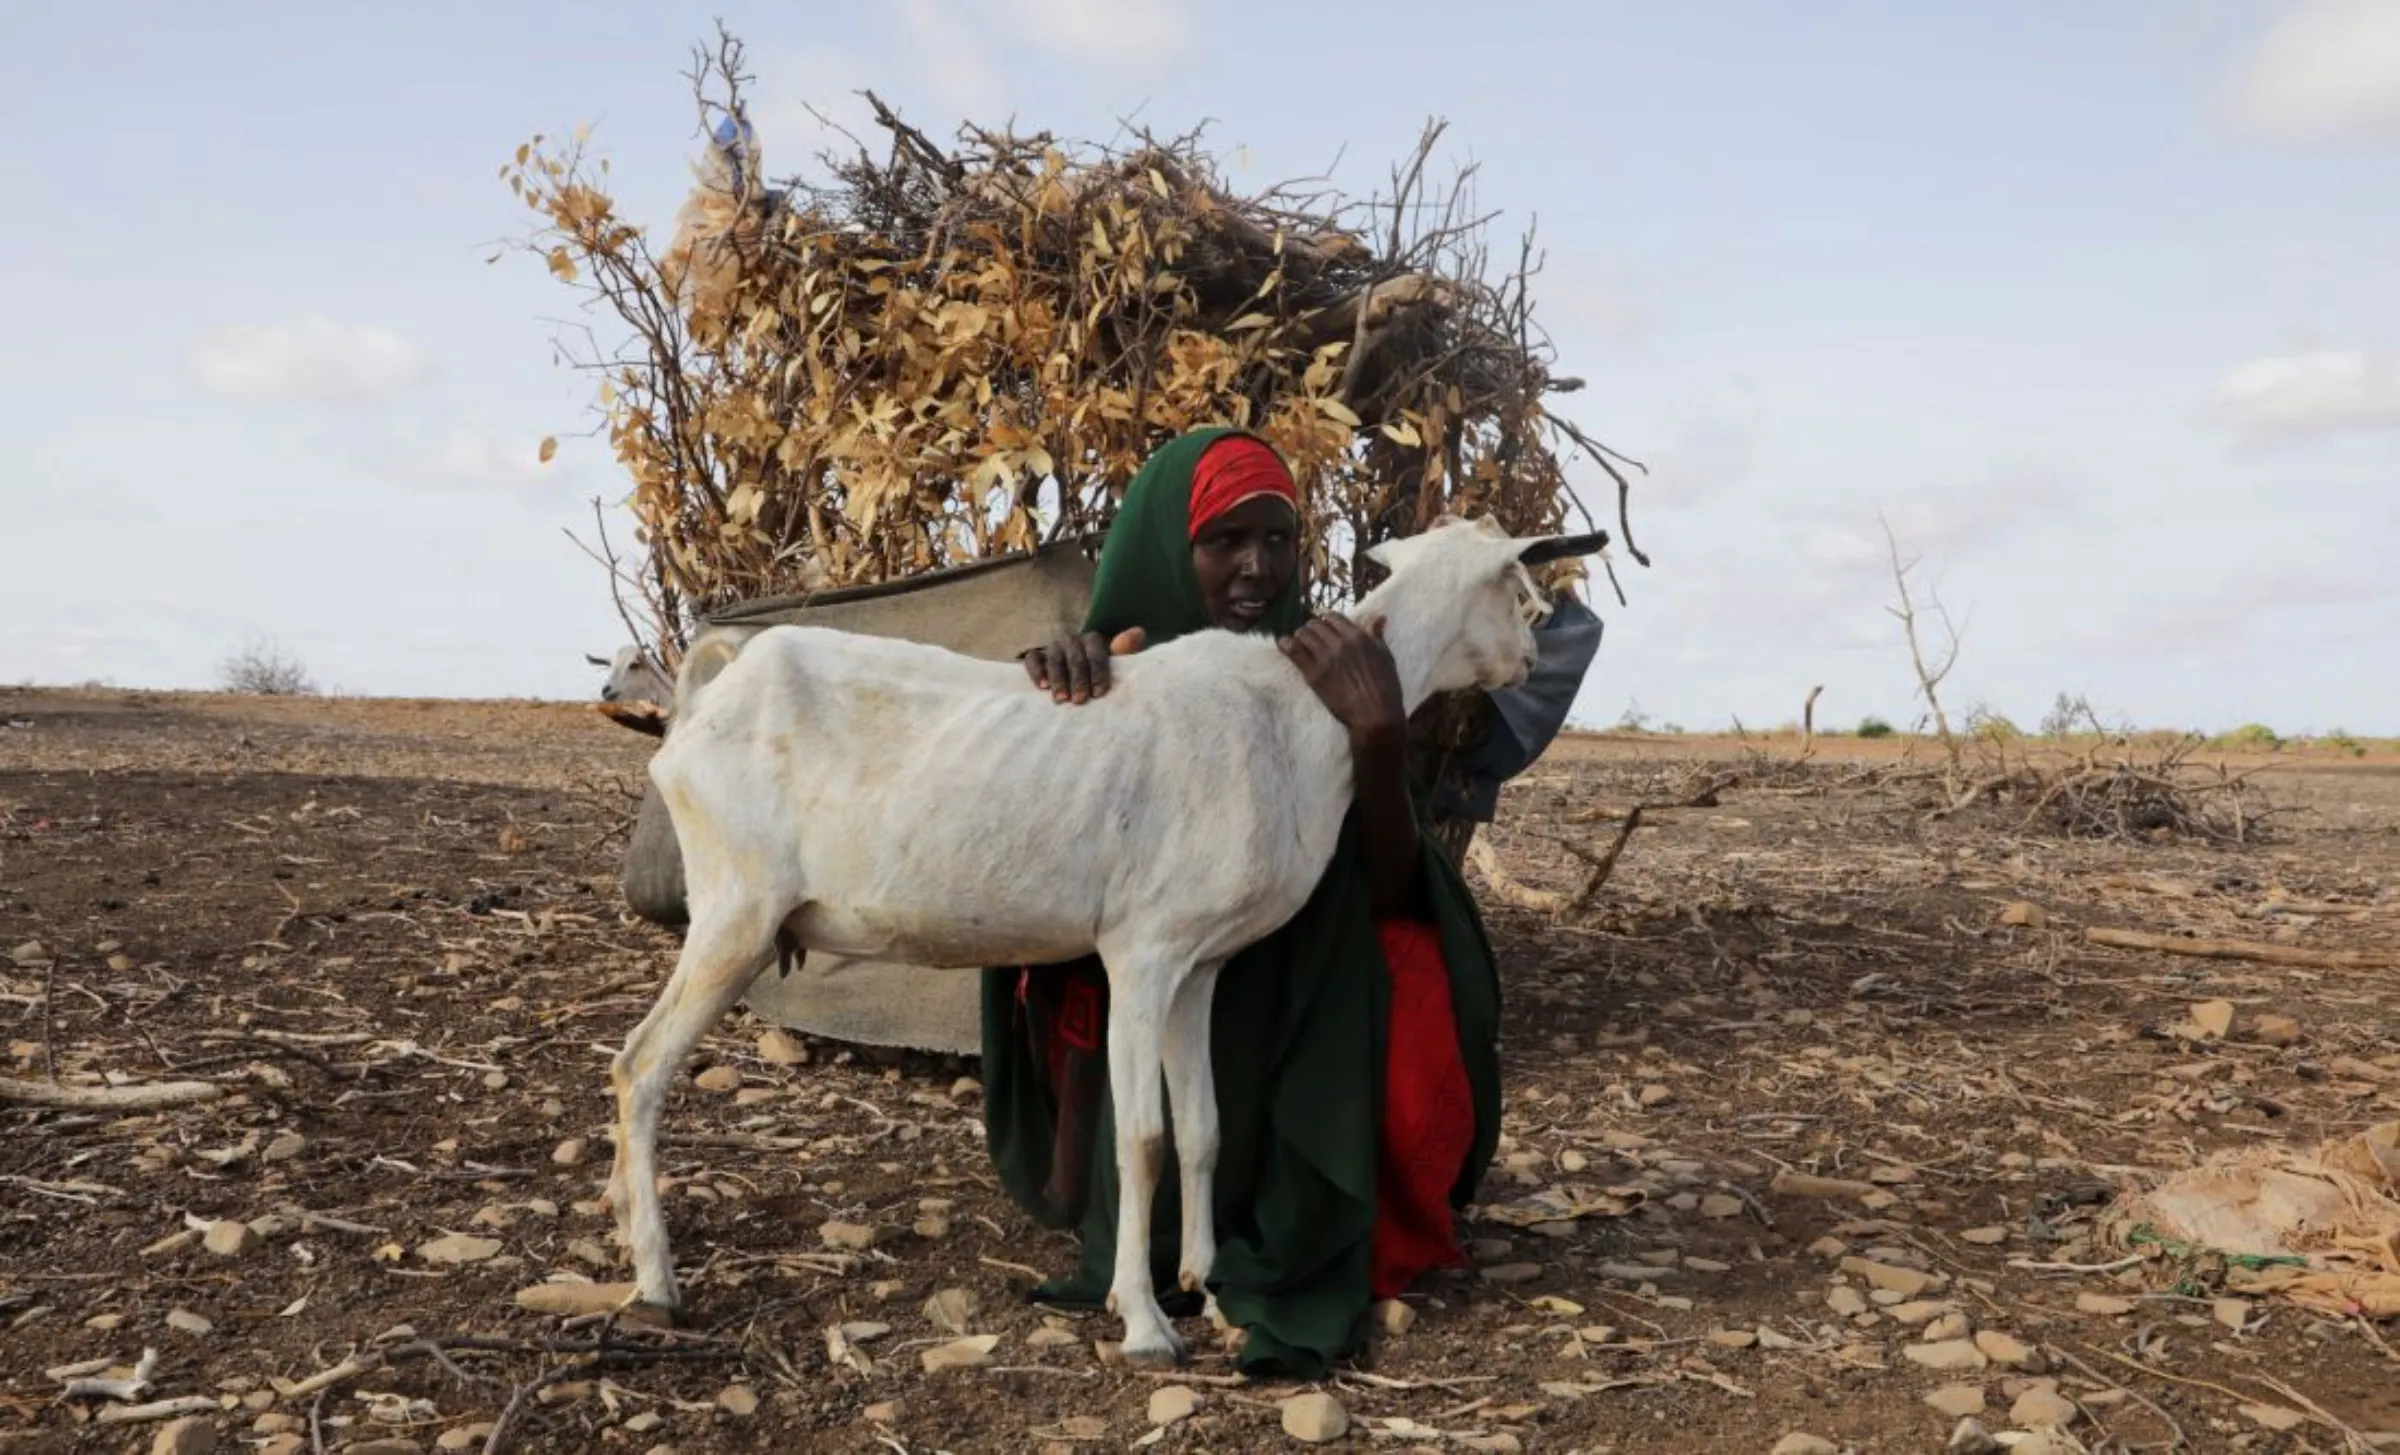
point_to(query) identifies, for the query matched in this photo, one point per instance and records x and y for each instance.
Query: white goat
(633, 677)
(883, 798)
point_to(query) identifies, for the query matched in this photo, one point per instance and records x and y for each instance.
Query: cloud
(807, 98)
(1715, 444)
(1132, 34)
(1583, 309)
(807, 95)
(953, 59)
(2240, 610)
(2326, 392)
(1933, 525)
(314, 360)
(2329, 68)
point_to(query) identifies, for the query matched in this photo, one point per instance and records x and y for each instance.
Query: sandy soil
(389, 932)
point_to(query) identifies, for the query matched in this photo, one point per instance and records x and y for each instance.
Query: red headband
(1234, 469)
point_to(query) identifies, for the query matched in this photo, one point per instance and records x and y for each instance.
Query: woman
(1355, 1049)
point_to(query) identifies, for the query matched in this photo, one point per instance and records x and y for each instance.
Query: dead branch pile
(930, 355)
(2113, 791)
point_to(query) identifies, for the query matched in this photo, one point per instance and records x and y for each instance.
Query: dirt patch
(390, 932)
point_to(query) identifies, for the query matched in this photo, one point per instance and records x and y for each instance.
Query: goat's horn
(1558, 548)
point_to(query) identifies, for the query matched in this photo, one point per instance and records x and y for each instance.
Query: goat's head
(631, 677)
(1472, 577)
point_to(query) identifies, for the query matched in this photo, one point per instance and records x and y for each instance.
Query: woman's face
(1244, 559)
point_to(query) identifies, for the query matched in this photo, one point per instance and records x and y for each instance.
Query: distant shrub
(265, 668)
(2252, 735)
(2341, 741)
(1675, 728)
(1874, 727)
(1992, 726)
(2068, 715)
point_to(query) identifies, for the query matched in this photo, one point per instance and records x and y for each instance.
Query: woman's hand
(1075, 668)
(1352, 673)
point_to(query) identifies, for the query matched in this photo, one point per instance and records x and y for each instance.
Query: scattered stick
(497, 1440)
(1505, 886)
(147, 1096)
(1004, 1266)
(2243, 950)
(2117, 1266)
(2158, 1373)
(82, 1383)
(1801, 1184)
(2180, 1441)
(1605, 863)
(2351, 1438)
(164, 1409)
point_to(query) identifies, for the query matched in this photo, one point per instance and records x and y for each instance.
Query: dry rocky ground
(389, 933)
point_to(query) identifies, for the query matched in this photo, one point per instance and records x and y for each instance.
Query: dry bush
(265, 668)
(929, 355)
(2126, 786)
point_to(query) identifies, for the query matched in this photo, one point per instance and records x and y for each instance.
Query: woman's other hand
(1352, 673)
(1074, 669)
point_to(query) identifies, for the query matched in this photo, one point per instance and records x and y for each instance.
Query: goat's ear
(595, 661)
(1558, 548)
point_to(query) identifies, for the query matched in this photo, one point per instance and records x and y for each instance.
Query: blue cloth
(1526, 718)
(738, 141)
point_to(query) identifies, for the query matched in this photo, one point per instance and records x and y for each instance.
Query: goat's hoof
(1165, 1351)
(653, 1315)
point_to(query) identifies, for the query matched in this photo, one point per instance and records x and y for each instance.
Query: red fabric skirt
(1428, 1114)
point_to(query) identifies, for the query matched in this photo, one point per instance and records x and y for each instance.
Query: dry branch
(921, 356)
(2112, 791)
(1604, 863)
(165, 1409)
(2243, 950)
(1929, 675)
(1496, 878)
(148, 1096)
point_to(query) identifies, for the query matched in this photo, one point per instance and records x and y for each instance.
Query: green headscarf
(1297, 1035)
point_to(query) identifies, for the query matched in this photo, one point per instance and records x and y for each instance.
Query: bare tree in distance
(1929, 674)
(264, 667)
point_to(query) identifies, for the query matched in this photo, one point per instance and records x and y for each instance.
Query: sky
(2097, 306)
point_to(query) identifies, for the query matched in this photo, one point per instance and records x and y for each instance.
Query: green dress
(1297, 1034)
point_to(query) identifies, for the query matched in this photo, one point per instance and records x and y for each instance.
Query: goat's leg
(1138, 1004)
(725, 948)
(1192, 1096)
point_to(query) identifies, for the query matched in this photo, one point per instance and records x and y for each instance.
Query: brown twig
(2242, 950)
